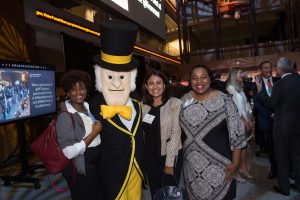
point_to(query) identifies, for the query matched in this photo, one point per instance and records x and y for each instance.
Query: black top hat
(117, 42)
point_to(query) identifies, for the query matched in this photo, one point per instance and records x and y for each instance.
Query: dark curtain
(141, 73)
(79, 54)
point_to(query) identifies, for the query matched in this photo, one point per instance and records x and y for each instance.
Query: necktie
(269, 85)
(110, 111)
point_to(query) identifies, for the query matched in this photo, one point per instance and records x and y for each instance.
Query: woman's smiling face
(155, 86)
(200, 81)
(77, 93)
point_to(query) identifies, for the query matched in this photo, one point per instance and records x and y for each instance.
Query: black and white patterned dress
(213, 130)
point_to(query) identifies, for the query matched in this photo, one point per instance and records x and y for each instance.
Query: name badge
(148, 118)
(188, 102)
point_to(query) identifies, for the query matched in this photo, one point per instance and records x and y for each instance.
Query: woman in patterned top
(211, 151)
(162, 131)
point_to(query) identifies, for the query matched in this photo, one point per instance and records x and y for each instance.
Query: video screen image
(14, 94)
(26, 90)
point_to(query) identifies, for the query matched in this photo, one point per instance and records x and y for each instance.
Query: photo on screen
(26, 90)
(14, 94)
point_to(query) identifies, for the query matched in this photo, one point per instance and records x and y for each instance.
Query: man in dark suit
(264, 113)
(285, 103)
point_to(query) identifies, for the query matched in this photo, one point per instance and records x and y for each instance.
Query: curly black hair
(72, 77)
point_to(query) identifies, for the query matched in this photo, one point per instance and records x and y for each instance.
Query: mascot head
(115, 67)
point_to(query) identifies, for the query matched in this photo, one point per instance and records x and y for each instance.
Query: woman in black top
(162, 131)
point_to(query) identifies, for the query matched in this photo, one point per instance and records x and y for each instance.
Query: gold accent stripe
(133, 149)
(95, 33)
(119, 127)
(138, 169)
(140, 114)
(65, 22)
(129, 170)
(171, 5)
(115, 59)
(156, 54)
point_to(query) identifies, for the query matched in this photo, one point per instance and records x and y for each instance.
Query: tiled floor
(260, 189)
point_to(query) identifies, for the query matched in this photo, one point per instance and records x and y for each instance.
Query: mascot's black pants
(89, 186)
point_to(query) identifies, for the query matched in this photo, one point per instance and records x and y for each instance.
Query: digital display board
(146, 13)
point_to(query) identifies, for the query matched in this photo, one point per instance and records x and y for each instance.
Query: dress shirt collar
(266, 80)
(72, 110)
(286, 74)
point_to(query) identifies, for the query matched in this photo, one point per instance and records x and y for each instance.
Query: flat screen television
(26, 90)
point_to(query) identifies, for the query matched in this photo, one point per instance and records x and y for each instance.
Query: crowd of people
(14, 100)
(121, 140)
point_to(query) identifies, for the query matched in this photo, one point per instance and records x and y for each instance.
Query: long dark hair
(147, 98)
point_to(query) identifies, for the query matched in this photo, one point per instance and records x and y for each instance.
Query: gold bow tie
(110, 111)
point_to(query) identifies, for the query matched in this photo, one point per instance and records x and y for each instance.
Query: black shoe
(271, 175)
(293, 186)
(278, 190)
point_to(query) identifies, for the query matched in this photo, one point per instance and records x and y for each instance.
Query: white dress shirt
(265, 80)
(129, 123)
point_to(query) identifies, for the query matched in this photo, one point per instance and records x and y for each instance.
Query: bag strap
(57, 189)
(165, 175)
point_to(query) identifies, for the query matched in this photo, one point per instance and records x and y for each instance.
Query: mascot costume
(119, 113)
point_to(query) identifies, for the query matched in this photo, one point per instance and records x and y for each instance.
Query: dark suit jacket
(265, 122)
(285, 103)
(119, 150)
(220, 85)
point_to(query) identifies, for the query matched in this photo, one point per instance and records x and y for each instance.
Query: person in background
(295, 68)
(248, 87)
(218, 83)
(162, 131)
(286, 135)
(81, 142)
(178, 90)
(211, 151)
(265, 120)
(235, 88)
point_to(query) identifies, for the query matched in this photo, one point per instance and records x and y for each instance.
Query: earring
(67, 97)
(87, 96)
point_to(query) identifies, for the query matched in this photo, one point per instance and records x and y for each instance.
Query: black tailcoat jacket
(120, 148)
